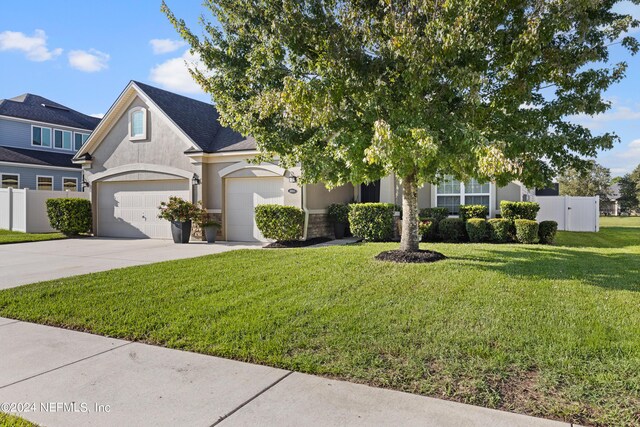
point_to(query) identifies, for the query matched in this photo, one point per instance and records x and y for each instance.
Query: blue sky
(82, 54)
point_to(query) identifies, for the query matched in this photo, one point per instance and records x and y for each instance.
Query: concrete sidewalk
(68, 378)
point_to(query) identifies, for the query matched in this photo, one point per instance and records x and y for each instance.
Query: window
(70, 184)
(62, 139)
(10, 180)
(79, 140)
(44, 183)
(137, 123)
(452, 193)
(40, 136)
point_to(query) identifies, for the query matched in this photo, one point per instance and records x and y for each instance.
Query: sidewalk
(70, 378)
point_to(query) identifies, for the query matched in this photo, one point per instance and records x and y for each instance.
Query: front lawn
(7, 236)
(551, 331)
(620, 221)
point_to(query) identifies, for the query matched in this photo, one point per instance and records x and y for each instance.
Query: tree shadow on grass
(618, 271)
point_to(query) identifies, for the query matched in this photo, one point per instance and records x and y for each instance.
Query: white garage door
(130, 208)
(242, 196)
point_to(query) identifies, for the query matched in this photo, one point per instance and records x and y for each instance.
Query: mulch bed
(298, 243)
(410, 257)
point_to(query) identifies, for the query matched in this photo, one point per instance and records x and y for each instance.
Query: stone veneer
(319, 226)
(197, 233)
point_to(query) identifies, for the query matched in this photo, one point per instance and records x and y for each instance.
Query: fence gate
(571, 213)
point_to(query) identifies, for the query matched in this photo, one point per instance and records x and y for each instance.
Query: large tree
(594, 180)
(355, 90)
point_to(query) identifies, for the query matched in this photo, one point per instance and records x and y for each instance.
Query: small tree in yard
(594, 180)
(358, 90)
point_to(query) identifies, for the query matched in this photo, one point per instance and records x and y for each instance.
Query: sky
(83, 53)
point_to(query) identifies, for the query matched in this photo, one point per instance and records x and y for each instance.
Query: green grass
(7, 236)
(7, 420)
(620, 221)
(551, 331)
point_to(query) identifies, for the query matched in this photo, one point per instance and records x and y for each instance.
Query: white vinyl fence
(26, 210)
(571, 213)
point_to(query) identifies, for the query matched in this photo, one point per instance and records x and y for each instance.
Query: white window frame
(462, 195)
(144, 124)
(53, 186)
(69, 177)
(62, 131)
(73, 142)
(42, 128)
(2, 175)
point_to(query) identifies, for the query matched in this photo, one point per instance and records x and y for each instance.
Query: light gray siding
(17, 134)
(28, 176)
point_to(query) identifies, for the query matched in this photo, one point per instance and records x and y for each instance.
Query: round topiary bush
(372, 221)
(526, 230)
(70, 216)
(280, 223)
(519, 210)
(500, 230)
(473, 211)
(477, 230)
(451, 230)
(547, 232)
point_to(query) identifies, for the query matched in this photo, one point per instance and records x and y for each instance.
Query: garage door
(130, 208)
(242, 196)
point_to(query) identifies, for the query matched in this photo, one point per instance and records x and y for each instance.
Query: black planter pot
(181, 231)
(210, 233)
(339, 229)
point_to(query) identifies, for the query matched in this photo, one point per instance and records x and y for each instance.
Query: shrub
(372, 221)
(70, 216)
(547, 232)
(526, 230)
(519, 210)
(426, 227)
(179, 210)
(438, 214)
(473, 211)
(280, 223)
(477, 229)
(451, 230)
(500, 230)
(338, 213)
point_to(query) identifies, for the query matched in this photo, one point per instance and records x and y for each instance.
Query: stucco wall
(510, 192)
(319, 197)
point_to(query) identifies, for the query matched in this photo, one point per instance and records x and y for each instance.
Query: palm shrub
(477, 229)
(372, 221)
(519, 210)
(547, 232)
(473, 211)
(280, 223)
(526, 230)
(500, 230)
(426, 227)
(70, 216)
(451, 230)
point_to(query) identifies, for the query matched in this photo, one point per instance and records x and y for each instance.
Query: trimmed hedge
(451, 230)
(519, 210)
(477, 229)
(438, 214)
(372, 221)
(547, 232)
(500, 230)
(70, 216)
(526, 230)
(473, 211)
(338, 213)
(280, 223)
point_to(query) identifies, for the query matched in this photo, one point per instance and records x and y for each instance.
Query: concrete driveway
(23, 263)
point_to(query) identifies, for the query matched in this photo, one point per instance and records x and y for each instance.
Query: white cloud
(173, 74)
(88, 61)
(34, 47)
(98, 115)
(161, 46)
(617, 113)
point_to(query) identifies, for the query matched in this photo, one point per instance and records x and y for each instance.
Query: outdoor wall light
(85, 184)
(292, 178)
(196, 179)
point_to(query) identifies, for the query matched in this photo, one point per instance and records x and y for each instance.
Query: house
(153, 144)
(38, 138)
(610, 205)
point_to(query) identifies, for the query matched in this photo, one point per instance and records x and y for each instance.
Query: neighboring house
(610, 204)
(38, 139)
(153, 144)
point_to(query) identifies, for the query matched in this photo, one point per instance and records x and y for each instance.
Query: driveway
(23, 263)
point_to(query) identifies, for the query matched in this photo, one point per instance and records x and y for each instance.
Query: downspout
(306, 211)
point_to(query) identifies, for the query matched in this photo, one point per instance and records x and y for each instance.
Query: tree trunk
(410, 240)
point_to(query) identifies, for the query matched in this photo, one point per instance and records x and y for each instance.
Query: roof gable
(37, 108)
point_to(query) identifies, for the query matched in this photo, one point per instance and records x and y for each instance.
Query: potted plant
(210, 229)
(338, 214)
(180, 212)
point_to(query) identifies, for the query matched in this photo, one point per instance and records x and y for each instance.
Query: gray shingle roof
(37, 108)
(199, 120)
(36, 157)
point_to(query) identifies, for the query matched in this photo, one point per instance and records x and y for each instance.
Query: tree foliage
(629, 184)
(356, 90)
(595, 180)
